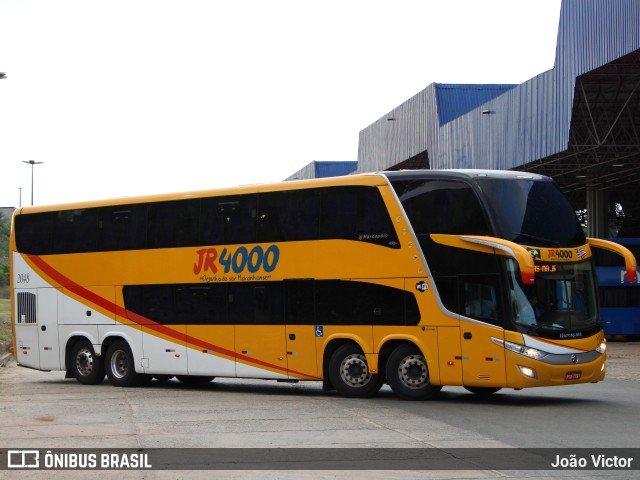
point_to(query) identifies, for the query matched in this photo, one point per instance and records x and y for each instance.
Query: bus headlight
(601, 348)
(528, 372)
(521, 349)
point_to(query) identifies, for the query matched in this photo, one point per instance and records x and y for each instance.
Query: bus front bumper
(523, 372)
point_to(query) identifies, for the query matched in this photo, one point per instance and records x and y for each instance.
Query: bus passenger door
(256, 311)
(260, 351)
(301, 352)
(26, 327)
(48, 328)
(483, 361)
(301, 331)
(37, 328)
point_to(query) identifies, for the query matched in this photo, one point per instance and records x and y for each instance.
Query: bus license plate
(573, 375)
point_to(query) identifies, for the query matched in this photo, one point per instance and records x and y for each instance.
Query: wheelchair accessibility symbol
(319, 331)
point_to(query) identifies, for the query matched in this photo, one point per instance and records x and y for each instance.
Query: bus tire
(120, 366)
(86, 367)
(408, 374)
(350, 375)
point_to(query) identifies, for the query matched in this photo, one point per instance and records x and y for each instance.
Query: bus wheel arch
(329, 350)
(348, 371)
(408, 373)
(119, 364)
(82, 362)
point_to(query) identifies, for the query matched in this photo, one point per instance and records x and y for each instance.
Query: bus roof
(372, 178)
(360, 179)
(463, 173)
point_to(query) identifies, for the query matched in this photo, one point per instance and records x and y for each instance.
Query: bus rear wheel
(120, 366)
(349, 373)
(408, 374)
(86, 367)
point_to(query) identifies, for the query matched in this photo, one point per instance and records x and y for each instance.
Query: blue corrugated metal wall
(454, 100)
(334, 169)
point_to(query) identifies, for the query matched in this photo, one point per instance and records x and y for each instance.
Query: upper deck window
(531, 212)
(442, 206)
(342, 212)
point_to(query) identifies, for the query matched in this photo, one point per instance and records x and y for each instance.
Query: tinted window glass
(619, 297)
(76, 231)
(339, 214)
(228, 220)
(358, 303)
(607, 258)
(269, 306)
(262, 303)
(412, 311)
(173, 224)
(351, 213)
(300, 302)
(479, 295)
(153, 302)
(201, 304)
(123, 227)
(288, 216)
(256, 303)
(532, 212)
(33, 233)
(356, 213)
(374, 224)
(442, 206)
(448, 291)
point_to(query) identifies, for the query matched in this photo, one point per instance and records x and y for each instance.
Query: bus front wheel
(86, 367)
(120, 366)
(349, 373)
(408, 374)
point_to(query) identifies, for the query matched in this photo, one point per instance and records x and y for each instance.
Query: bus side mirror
(629, 260)
(490, 245)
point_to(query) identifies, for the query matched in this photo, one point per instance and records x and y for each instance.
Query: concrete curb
(5, 358)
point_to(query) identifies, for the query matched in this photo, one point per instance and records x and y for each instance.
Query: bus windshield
(531, 212)
(562, 304)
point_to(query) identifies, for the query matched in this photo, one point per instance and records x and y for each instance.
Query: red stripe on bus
(144, 321)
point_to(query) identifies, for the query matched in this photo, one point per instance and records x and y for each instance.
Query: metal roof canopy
(604, 140)
(578, 123)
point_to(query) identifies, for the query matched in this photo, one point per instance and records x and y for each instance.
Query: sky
(122, 98)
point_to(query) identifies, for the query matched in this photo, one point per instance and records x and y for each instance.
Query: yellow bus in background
(418, 279)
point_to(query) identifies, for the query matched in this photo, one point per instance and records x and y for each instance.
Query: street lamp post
(32, 163)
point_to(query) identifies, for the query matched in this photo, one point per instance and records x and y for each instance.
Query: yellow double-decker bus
(418, 279)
